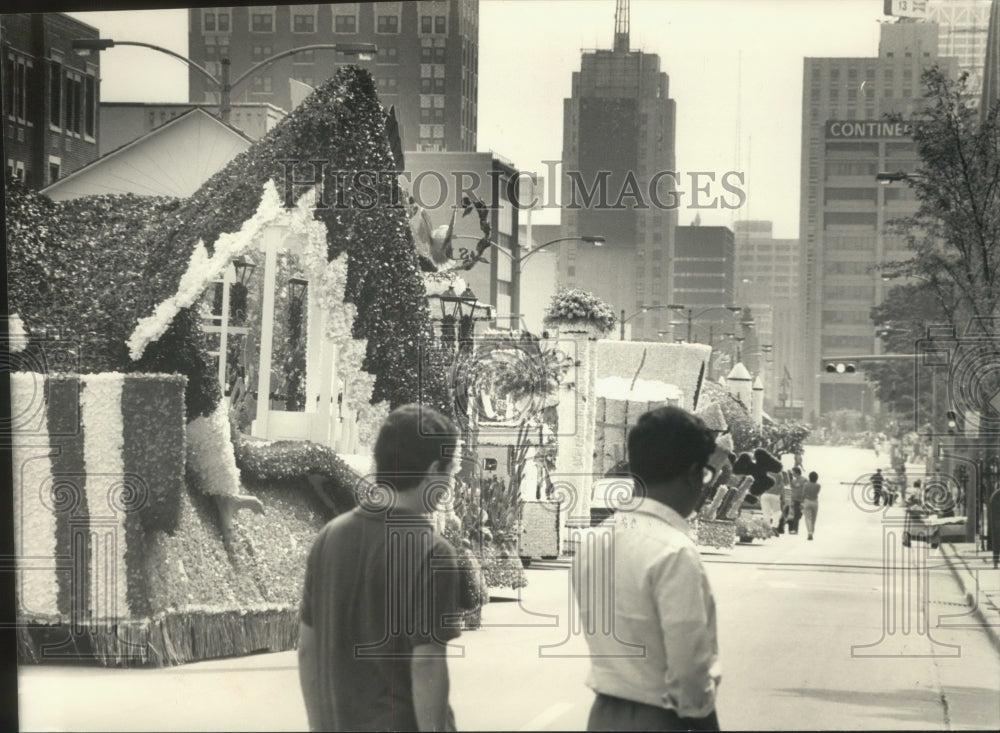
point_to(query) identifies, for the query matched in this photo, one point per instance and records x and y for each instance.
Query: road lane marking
(546, 716)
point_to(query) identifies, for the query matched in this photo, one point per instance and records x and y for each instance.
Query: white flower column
(577, 404)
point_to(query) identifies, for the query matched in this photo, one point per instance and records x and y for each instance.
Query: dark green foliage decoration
(94, 266)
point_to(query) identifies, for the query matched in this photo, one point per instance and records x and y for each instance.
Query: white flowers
(203, 269)
(18, 335)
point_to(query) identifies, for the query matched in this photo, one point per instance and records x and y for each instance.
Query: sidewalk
(979, 581)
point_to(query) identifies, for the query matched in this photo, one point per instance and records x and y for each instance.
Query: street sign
(906, 8)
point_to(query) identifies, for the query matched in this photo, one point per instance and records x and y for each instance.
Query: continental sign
(867, 129)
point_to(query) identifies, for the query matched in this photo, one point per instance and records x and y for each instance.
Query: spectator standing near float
(377, 603)
(770, 502)
(810, 502)
(878, 485)
(662, 604)
(795, 511)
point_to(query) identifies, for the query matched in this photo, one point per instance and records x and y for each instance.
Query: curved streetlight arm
(592, 240)
(103, 43)
(356, 48)
(644, 310)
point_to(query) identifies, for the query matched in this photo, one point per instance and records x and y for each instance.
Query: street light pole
(364, 51)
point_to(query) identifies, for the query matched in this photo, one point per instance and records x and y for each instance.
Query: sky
(734, 68)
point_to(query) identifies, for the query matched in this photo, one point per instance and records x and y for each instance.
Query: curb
(975, 599)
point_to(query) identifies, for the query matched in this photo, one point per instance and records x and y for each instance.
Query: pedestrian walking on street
(878, 485)
(786, 502)
(795, 511)
(373, 636)
(655, 663)
(770, 502)
(810, 502)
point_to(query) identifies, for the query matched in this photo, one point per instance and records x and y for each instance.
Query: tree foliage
(954, 234)
(903, 321)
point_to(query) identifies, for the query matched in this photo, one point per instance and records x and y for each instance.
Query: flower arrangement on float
(571, 308)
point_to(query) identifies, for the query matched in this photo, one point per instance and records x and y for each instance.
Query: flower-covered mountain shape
(336, 133)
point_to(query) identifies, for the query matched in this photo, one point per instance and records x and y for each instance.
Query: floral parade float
(131, 477)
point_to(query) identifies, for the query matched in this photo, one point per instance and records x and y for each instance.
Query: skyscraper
(962, 26)
(843, 211)
(428, 54)
(768, 281)
(618, 127)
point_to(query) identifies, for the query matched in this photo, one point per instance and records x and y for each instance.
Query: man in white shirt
(651, 626)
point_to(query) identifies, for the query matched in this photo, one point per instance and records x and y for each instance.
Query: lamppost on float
(364, 52)
(518, 260)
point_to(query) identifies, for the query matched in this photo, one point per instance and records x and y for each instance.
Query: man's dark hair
(797, 471)
(666, 442)
(411, 439)
(813, 476)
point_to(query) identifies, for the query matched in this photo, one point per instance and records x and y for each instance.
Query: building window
(304, 23)
(345, 24)
(259, 53)
(15, 169)
(90, 106)
(262, 22)
(73, 94)
(17, 96)
(438, 86)
(55, 94)
(387, 24)
(224, 22)
(211, 51)
(304, 57)
(441, 24)
(426, 54)
(55, 166)
(262, 85)
(387, 55)
(426, 86)
(388, 85)
(426, 24)
(208, 21)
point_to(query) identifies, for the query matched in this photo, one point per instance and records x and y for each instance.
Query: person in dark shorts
(654, 663)
(381, 597)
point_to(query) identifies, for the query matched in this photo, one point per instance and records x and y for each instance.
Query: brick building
(428, 54)
(50, 97)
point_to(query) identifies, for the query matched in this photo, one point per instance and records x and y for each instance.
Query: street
(813, 635)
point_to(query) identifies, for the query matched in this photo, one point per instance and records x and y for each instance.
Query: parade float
(150, 528)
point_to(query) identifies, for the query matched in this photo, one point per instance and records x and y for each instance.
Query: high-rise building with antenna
(619, 128)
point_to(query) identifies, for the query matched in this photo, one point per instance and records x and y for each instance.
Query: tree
(902, 321)
(956, 229)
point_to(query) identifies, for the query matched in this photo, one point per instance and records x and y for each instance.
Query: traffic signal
(489, 464)
(840, 367)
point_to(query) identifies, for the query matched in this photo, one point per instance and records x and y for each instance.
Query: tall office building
(962, 27)
(843, 210)
(704, 271)
(619, 124)
(768, 281)
(50, 97)
(426, 64)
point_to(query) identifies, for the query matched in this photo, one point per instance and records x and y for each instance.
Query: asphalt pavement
(845, 632)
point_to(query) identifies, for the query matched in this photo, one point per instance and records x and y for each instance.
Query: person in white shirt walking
(655, 661)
